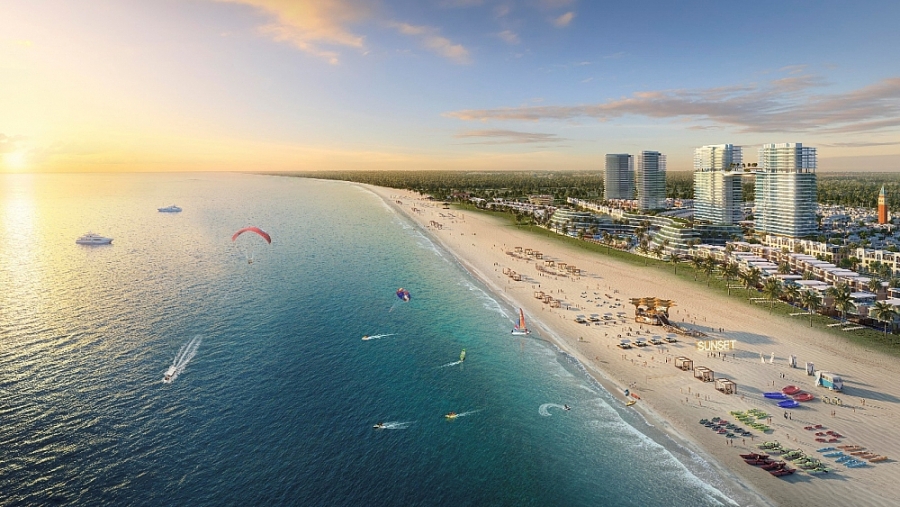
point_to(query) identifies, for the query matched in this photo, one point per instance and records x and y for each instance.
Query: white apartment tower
(786, 192)
(618, 182)
(651, 180)
(718, 196)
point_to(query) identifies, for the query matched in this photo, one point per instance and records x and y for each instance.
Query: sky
(478, 85)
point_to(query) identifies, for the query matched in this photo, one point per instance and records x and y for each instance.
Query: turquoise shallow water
(277, 405)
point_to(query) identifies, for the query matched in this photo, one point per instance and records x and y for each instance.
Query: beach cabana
(684, 363)
(538, 294)
(726, 386)
(704, 374)
(625, 343)
(555, 303)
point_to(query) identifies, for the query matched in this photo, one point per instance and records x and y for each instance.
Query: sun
(14, 161)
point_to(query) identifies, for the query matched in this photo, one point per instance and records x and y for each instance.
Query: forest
(845, 189)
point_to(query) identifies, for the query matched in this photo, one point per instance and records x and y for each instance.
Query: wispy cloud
(564, 20)
(317, 27)
(460, 3)
(555, 4)
(782, 105)
(509, 137)
(509, 37)
(431, 39)
(10, 144)
(860, 144)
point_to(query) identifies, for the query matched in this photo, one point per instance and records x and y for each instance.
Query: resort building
(882, 207)
(718, 196)
(541, 200)
(786, 190)
(618, 182)
(651, 180)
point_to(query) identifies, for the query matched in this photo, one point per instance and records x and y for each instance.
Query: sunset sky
(264, 85)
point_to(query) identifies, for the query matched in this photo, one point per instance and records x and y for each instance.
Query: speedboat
(379, 426)
(452, 415)
(93, 239)
(170, 375)
(169, 209)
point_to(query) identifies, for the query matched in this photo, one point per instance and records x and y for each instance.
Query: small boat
(93, 239)
(365, 337)
(520, 328)
(754, 455)
(462, 355)
(169, 209)
(452, 415)
(170, 375)
(775, 396)
(782, 471)
(379, 426)
(789, 404)
(803, 396)
(630, 403)
(790, 390)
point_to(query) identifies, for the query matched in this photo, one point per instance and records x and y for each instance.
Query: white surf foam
(184, 356)
(544, 409)
(377, 336)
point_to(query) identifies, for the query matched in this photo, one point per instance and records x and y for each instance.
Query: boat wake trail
(184, 356)
(544, 409)
(454, 363)
(377, 336)
(470, 412)
(397, 425)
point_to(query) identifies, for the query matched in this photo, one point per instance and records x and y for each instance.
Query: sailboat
(520, 328)
(462, 355)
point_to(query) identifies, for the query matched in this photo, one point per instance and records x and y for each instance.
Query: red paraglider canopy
(257, 230)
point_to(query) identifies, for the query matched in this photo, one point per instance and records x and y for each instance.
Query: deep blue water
(278, 404)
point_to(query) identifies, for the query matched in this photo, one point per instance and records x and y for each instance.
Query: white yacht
(93, 239)
(169, 209)
(170, 375)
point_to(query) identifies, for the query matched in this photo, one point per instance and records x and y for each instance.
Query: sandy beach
(672, 399)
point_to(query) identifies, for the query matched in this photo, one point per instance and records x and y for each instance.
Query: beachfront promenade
(588, 314)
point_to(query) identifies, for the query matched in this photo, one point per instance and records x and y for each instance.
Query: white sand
(673, 399)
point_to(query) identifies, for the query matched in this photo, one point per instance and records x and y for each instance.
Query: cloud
(10, 144)
(502, 10)
(781, 105)
(564, 20)
(555, 4)
(460, 3)
(509, 37)
(509, 137)
(860, 144)
(432, 40)
(316, 27)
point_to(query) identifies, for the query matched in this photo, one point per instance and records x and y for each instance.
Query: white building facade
(786, 191)
(651, 180)
(718, 194)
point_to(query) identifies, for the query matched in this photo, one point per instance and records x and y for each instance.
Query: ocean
(277, 393)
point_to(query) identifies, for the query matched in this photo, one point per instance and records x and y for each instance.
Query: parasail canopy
(257, 230)
(403, 294)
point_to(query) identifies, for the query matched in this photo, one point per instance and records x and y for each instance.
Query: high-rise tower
(882, 207)
(786, 190)
(651, 180)
(718, 195)
(618, 182)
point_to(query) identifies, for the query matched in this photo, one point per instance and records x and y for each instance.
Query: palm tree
(709, 265)
(697, 263)
(883, 312)
(772, 289)
(751, 278)
(658, 251)
(792, 292)
(729, 272)
(675, 258)
(842, 301)
(874, 285)
(812, 300)
(784, 268)
(607, 239)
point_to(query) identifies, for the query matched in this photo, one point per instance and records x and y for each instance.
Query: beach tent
(726, 386)
(705, 374)
(684, 363)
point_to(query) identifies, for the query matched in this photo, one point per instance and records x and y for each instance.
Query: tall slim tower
(786, 190)
(882, 207)
(651, 180)
(718, 195)
(618, 182)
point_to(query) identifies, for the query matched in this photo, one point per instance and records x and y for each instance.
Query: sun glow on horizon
(14, 161)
